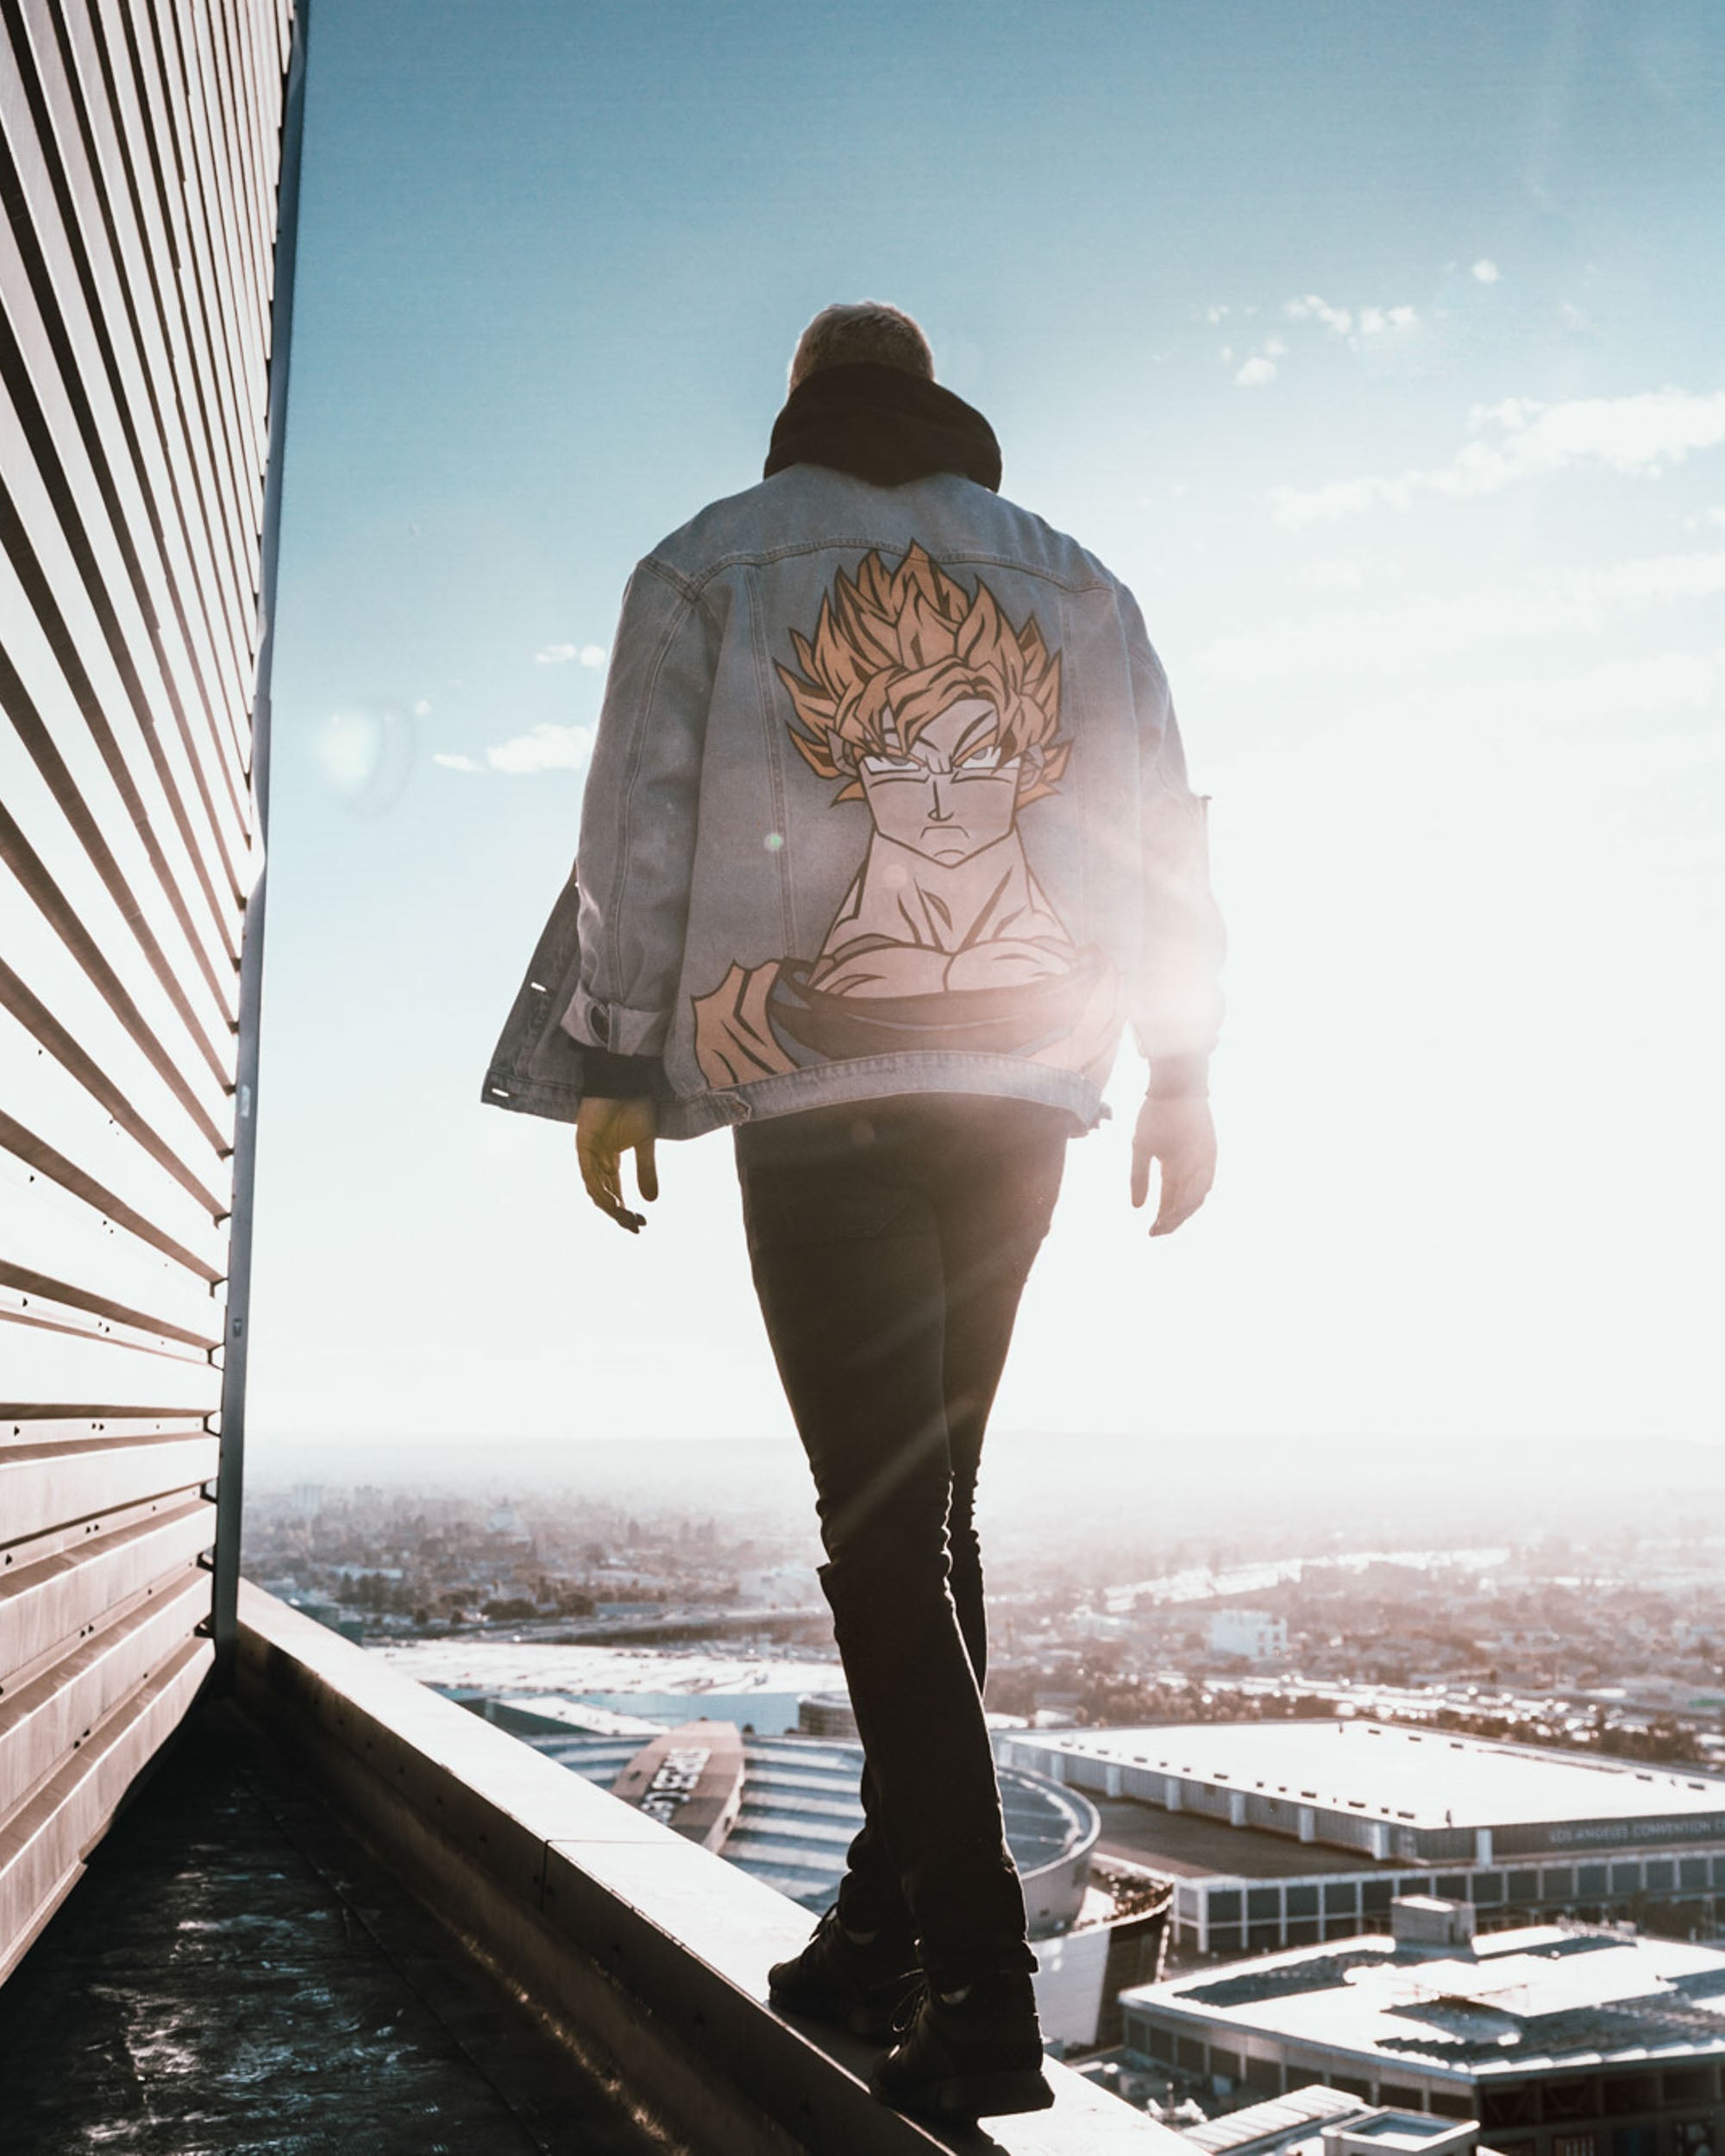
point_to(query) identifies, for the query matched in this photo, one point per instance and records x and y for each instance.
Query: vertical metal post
(230, 1487)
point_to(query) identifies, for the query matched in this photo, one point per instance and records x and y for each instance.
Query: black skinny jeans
(890, 1243)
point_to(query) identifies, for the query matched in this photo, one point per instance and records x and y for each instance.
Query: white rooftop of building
(1405, 2131)
(1424, 1777)
(1276, 2121)
(1316, 2121)
(1514, 2000)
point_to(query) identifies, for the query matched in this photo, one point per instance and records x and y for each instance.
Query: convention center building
(1292, 1833)
(1559, 2039)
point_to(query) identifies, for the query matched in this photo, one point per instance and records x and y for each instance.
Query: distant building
(1083, 1974)
(1290, 1833)
(1560, 2041)
(799, 1808)
(329, 1614)
(690, 1778)
(793, 1587)
(1319, 2121)
(826, 1714)
(1289, 2125)
(1252, 1635)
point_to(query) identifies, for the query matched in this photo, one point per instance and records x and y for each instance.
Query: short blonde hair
(858, 332)
(893, 649)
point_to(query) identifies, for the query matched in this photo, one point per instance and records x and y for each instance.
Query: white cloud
(1353, 325)
(1256, 372)
(1486, 270)
(1703, 518)
(1213, 315)
(423, 708)
(591, 655)
(1526, 439)
(1312, 309)
(543, 749)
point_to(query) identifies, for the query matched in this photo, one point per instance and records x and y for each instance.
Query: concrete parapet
(650, 1953)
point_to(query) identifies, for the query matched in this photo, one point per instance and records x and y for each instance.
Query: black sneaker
(856, 1986)
(972, 2054)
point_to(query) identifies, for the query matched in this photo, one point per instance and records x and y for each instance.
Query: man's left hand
(604, 1131)
(1178, 1133)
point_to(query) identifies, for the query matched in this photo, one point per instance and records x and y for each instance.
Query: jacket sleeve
(638, 821)
(1177, 1003)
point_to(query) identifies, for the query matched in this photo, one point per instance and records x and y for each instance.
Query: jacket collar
(883, 425)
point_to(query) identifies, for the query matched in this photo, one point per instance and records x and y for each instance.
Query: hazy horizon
(1057, 1489)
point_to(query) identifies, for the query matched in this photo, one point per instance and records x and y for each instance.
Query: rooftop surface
(1277, 2119)
(235, 1976)
(1517, 2001)
(1188, 1846)
(1428, 1778)
(1402, 2130)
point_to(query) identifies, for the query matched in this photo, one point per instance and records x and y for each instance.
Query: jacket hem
(826, 1085)
(879, 1077)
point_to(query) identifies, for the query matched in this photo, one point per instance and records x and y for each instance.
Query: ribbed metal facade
(139, 158)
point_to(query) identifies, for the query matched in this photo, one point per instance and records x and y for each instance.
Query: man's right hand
(1178, 1133)
(604, 1131)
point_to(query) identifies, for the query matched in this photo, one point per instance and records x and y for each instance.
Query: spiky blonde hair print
(893, 648)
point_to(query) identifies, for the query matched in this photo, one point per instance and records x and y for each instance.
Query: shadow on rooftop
(237, 1975)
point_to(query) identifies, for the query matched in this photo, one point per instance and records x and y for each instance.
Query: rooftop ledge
(649, 1952)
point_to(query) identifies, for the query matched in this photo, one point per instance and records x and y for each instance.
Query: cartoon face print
(949, 791)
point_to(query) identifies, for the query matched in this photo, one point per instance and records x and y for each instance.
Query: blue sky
(1381, 349)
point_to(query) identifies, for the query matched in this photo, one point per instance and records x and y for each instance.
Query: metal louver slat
(61, 1216)
(44, 1844)
(168, 367)
(234, 452)
(42, 1485)
(43, 1721)
(142, 379)
(60, 706)
(98, 415)
(173, 549)
(91, 1120)
(127, 36)
(69, 973)
(58, 1589)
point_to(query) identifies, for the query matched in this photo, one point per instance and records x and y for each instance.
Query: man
(887, 838)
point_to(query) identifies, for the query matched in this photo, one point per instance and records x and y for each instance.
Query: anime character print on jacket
(926, 704)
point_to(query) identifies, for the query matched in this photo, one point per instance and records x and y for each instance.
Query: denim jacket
(887, 796)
